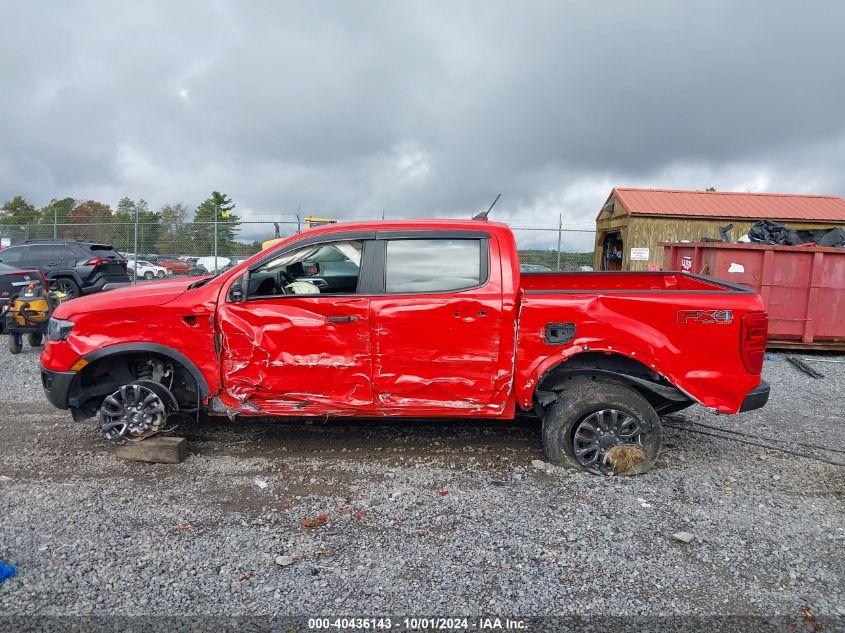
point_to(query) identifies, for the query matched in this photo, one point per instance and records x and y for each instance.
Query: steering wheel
(283, 278)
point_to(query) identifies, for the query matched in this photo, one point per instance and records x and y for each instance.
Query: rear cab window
(434, 265)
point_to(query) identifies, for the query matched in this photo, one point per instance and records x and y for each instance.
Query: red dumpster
(803, 286)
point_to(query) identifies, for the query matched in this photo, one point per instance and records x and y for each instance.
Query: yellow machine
(28, 314)
(310, 223)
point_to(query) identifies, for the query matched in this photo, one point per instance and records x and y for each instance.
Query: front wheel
(15, 343)
(35, 339)
(148, 275)
(602, 427)
(160, 274)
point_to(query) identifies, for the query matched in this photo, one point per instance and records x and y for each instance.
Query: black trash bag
(834, 237)
(768, 232)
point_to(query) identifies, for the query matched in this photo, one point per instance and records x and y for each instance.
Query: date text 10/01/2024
(417, 624)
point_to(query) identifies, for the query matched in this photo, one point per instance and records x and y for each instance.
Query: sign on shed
(639, 254)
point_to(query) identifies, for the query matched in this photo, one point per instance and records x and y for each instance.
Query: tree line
(174, 229)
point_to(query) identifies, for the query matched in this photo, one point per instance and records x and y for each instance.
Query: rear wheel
(603, 428)
(160, 274)
(35, 339)
(15, 343)
(67, 286)
(148, 275)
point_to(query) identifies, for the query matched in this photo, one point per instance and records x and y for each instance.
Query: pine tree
(228, 225)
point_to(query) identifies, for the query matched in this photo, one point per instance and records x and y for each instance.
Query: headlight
(58, 329)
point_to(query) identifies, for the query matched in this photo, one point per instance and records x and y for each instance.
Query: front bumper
(756, 398)
(57, 386)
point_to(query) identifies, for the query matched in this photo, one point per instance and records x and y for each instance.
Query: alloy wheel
(132, 412)
(600, 431)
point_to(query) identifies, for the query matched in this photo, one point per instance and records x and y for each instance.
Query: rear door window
(434, 265)
(13, 255)
(40, 254)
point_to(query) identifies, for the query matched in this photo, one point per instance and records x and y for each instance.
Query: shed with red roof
(632, 222)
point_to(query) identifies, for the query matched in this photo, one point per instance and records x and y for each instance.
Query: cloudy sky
(419, 108)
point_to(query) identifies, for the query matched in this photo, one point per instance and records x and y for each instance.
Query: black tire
(34, 339)
(67, 286)
(149, 275)
(15, 343)
(160, 274)
(576, 409)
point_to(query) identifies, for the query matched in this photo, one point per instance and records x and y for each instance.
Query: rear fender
(612, 363)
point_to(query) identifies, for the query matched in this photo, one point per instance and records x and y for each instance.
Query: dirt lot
(445, 518)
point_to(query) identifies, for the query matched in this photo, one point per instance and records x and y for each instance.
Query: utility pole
(216, 211)
(135, 254)
(55, 222)
(298, 220)
(559, 233)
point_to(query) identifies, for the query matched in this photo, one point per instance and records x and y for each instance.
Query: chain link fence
(540, 248)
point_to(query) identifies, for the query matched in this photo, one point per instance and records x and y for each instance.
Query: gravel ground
(431, 518)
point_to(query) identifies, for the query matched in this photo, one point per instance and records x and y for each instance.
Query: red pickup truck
(422, 318)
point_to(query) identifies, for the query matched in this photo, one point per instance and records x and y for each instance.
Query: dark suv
(75, 268)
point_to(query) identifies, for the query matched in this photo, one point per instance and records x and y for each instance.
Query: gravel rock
(284, 561)
(91, 534)
(683, 537)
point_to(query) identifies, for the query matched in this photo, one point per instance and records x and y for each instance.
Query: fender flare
(66, 274)
(670, 392)
(154, 348)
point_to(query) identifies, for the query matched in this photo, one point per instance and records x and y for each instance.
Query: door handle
(341, 319)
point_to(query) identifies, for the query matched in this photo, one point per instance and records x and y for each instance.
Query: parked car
(174, 266)
(534, 268)
(208, 263)
(146, 269)
(419, 321)
(76, 268)
(196, 271)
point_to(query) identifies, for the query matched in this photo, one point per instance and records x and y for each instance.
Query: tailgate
(113, 267)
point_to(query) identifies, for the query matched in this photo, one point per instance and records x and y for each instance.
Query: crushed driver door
(296, 354)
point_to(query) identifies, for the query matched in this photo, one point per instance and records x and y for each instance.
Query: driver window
(327, 268)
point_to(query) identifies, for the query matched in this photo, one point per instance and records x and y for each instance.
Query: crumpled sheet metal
(270, 364)
(285, 358)
(440, 354)
(643, 327)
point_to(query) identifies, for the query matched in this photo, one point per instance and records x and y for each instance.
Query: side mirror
(237, 291)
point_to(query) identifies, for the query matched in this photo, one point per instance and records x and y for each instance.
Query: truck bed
(622, 281)
(685, 327)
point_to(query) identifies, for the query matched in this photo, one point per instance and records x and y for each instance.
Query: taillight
(752, 344)
(96, 261)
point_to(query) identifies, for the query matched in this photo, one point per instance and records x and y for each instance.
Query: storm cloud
(419, 108)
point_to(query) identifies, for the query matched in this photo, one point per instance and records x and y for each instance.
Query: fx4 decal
(722, 317)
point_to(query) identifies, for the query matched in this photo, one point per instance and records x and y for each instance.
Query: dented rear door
(436, 350)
